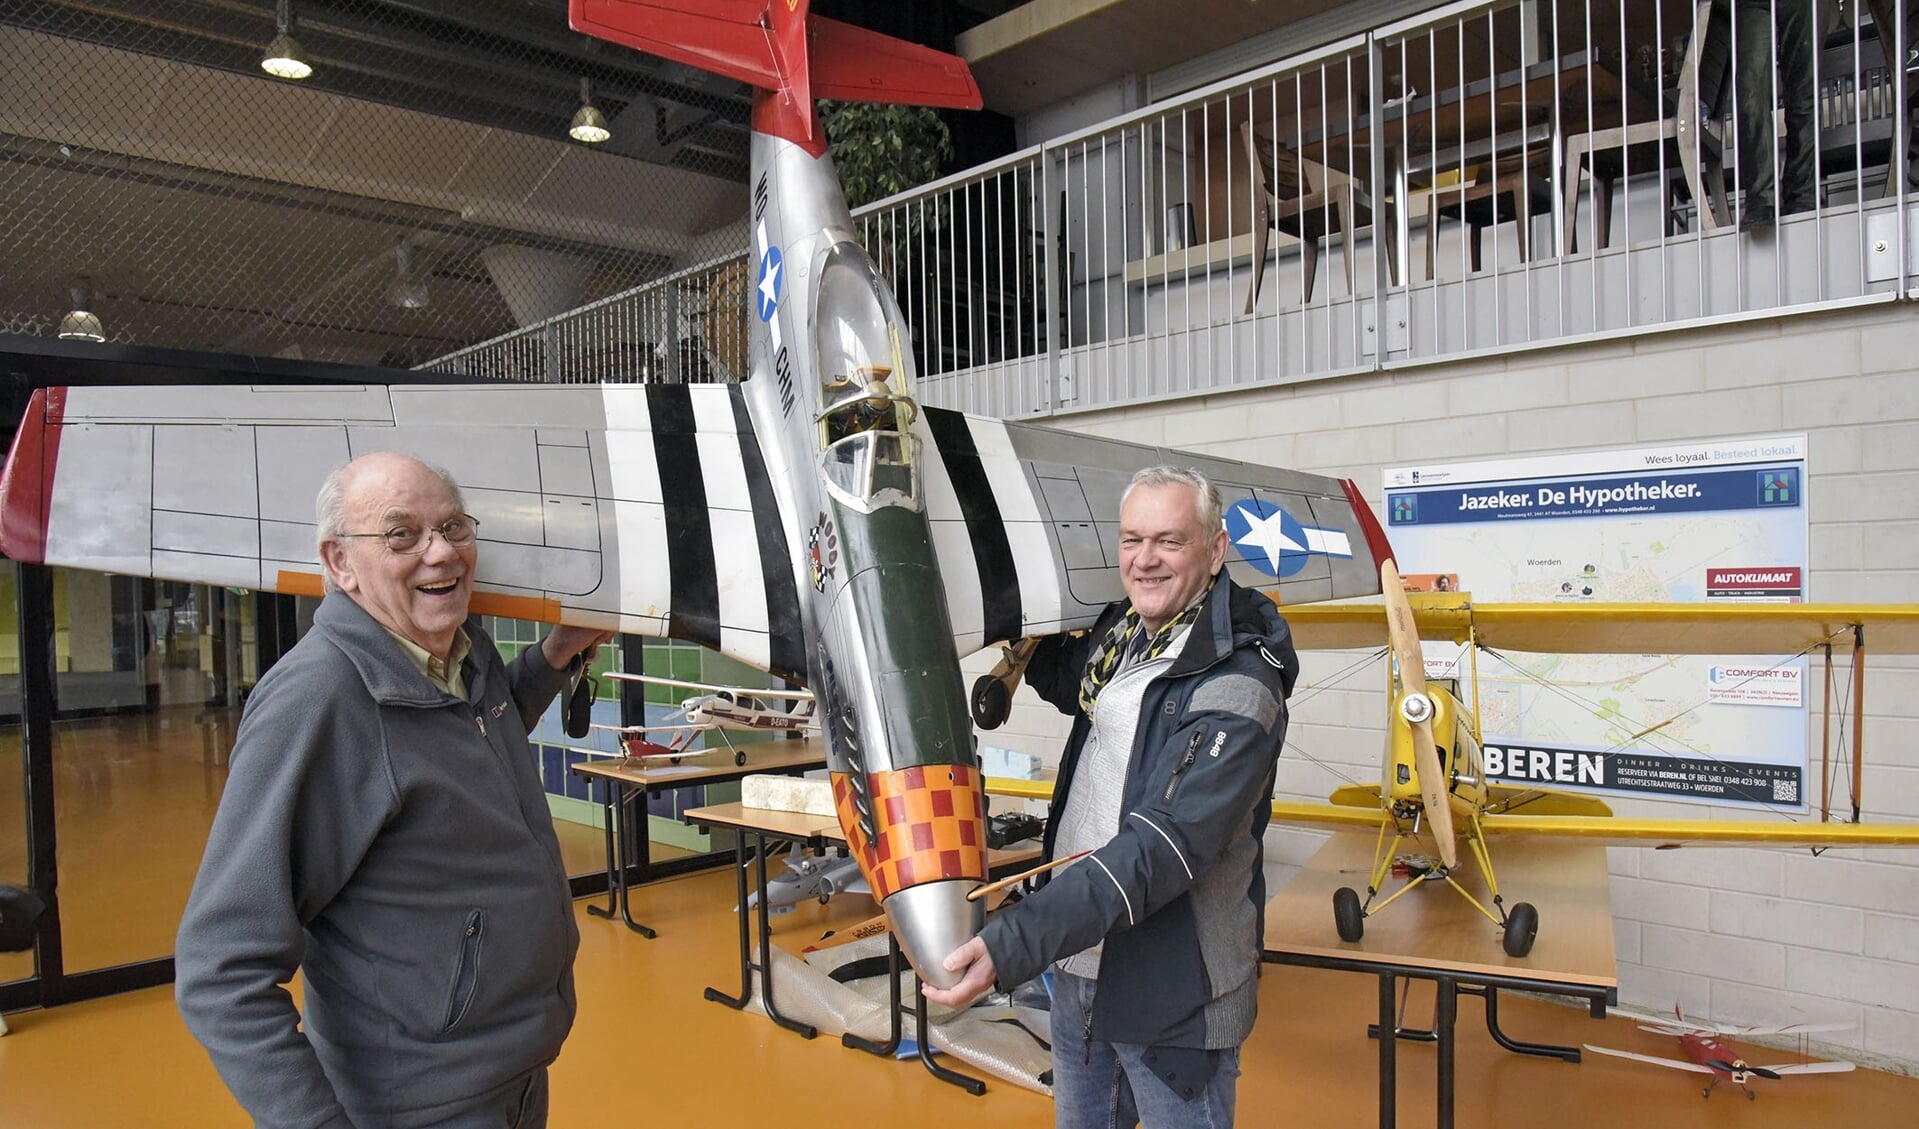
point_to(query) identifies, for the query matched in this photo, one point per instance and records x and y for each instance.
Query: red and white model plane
(716, 709)
(1705, 1054)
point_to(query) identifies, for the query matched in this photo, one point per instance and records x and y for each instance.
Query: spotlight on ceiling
(81, 323)
(407, 290)
(589, 124)
(284, 58)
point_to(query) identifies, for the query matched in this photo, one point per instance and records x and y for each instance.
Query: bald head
(422, 594)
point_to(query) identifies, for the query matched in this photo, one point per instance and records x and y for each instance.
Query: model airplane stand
(896, 1008)
(1434, 935)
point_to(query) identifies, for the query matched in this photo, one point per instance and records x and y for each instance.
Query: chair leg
(1522, 210)
(1343, 217)
(1308, 258)
(1262, 227)
(1602, 211)
(1569, 196)
(1432, 231)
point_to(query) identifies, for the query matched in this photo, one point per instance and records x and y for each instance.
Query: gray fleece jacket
(393, 844)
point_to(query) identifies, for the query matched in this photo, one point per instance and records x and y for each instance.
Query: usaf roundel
(1269, 539)
(769, 284)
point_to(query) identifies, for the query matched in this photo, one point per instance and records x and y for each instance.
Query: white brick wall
(1739, 935)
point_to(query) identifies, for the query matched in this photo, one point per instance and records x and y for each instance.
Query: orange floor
(648, 1049)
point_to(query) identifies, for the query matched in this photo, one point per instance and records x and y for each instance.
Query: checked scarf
(1120, 638)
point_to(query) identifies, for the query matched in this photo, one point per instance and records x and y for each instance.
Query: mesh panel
(417, 194)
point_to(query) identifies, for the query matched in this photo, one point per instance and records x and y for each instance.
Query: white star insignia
(1265, 534)
(770, 284)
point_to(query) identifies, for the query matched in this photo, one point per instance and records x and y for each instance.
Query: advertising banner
(1720, 520)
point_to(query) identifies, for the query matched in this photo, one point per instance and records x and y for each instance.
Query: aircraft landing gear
(1522, 926)
(1348, 917)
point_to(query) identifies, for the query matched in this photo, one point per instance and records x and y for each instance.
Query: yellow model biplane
(1434, 791)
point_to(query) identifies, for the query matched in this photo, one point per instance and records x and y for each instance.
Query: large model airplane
(812, 521)
(1705, 1054)
(1434, 791)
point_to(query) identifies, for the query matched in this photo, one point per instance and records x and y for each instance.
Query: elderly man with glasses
(384, 832)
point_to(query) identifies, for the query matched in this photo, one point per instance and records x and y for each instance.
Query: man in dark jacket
(1179, 702)
(384, 831)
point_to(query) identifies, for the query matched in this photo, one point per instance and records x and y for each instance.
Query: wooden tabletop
(703, 765)
(1433, 928)
(784, 824)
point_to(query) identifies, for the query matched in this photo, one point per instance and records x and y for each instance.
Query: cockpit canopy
(866, 412)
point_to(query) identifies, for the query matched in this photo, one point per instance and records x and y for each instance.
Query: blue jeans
(1101, 1085)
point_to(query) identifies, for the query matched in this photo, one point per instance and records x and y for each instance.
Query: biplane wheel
(992, 701)
(1347, 916)
(1522, 925)
(739, 760)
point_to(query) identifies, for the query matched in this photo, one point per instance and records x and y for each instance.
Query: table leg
(615, 867)
(619, 848)
(1388, 1048)
(746, 949)
(1543, 1050)
(806, 1030)
(1447, 1009)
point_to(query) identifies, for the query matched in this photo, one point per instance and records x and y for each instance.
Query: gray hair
(329, 506)
(1205, 495)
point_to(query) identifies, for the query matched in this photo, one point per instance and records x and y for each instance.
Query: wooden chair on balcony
(1513, 187)
(1300, 197)
(1681, 123)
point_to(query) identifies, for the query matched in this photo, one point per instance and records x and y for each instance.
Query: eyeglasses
(407, 540)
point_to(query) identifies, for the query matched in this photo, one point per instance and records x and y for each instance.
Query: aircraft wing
(646, 508)
(1811, 1068)
(601, 505)
(1676, 1064)
(1025, 524)
(1633, 629)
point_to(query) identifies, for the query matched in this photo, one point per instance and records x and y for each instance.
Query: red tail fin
(777, 45)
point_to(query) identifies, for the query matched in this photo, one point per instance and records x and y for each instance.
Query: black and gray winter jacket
(1178, 894)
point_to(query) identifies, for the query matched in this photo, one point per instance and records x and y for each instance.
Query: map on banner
(1712, 521)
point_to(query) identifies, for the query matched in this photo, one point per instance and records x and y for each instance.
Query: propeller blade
(1404, 633)
(1763, 1072)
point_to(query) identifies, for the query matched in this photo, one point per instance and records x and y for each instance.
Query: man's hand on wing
(563, 643)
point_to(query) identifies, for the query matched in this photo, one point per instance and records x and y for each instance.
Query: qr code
(1785, 791)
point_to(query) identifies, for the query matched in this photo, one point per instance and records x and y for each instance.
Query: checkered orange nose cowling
(931, 823)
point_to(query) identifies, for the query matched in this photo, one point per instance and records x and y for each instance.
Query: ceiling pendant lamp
(284, 58)
(81, 323)
(408, 290)
(589, 124)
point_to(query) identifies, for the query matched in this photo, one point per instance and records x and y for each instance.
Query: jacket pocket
(466, 974)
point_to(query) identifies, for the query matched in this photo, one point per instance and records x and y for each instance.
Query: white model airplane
(1705, 1054)
(812, 521)
(715, 710)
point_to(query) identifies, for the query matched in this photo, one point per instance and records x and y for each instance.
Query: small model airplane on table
(716, 709)
(1435, 792)
(1705, 1054)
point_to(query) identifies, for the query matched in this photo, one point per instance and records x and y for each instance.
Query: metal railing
(1482, 178)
